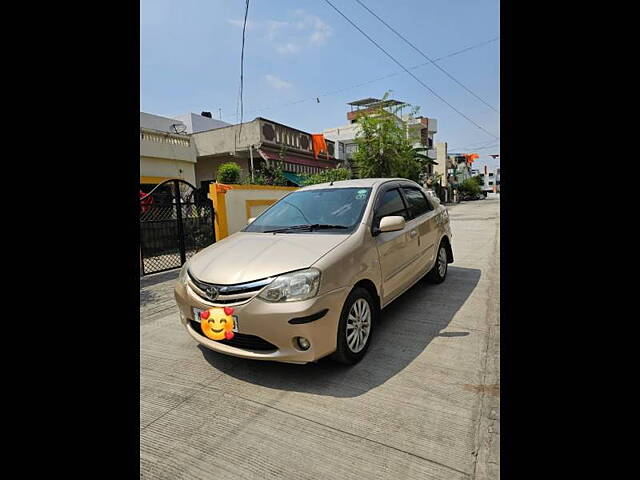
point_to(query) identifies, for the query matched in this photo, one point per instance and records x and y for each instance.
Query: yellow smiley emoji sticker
(217, 323)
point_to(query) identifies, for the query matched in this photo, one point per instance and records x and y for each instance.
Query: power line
(427, 57)
(463, 50)
(472, 148)
(407, 70)
(481, 144)
(334, 92)
(411, 68)
(477, 146)
(488, 146)
(244, 28)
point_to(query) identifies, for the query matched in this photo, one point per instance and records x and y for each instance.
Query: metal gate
(176, 221)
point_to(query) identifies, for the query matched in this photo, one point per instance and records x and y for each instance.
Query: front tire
(359, 315)
(439, 271)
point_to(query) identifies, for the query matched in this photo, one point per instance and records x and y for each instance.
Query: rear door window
(418, 203)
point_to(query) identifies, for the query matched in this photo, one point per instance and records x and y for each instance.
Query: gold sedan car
(309, 277)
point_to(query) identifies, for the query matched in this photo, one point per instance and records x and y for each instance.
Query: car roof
(357, 182)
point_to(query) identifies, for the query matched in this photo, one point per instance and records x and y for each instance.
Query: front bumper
(270, 321)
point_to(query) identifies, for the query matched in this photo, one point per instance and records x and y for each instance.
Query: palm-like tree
(420, 155)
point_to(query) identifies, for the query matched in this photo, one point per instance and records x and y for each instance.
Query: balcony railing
(159, 144)
(164, 137)
(290, 138)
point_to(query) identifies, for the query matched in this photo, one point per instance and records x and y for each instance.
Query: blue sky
(297, 50)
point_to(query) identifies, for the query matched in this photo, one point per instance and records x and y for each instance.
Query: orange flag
(471, 157)
(319, 145)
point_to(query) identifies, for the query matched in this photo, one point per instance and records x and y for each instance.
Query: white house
(165, 153)
(167, 148)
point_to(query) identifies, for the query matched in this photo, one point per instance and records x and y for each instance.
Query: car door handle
(413, 233)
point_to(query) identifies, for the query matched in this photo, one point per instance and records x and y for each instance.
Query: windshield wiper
(309, 227)
(324, 226)
(286, 229)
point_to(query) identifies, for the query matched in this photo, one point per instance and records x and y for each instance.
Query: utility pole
(251, 156)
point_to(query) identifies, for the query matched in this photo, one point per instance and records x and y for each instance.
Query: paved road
(423, 404)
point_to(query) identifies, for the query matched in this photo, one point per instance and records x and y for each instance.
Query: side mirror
(250, 220)
(392, 223)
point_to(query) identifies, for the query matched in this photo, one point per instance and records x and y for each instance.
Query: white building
(491, 179)
(345, 138)
(442, 163)
(459, 168)
(345, 135)
(199, 123)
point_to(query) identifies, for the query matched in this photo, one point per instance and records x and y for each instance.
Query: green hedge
(329, 175)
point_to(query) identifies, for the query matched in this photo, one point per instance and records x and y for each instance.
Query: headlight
(182, 278)
(293, 287)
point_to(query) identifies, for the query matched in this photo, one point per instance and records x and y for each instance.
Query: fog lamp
(303, 343)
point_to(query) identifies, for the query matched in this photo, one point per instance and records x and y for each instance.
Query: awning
(426, 160)
(311, 162)
(293, 178)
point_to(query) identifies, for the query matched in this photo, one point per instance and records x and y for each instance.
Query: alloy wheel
(358, 325)
(442, 262)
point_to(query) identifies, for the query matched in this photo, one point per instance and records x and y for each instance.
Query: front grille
(240, 340)
(228, 294)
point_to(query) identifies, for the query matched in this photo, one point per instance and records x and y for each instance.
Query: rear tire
(439, 271)
(358, 313)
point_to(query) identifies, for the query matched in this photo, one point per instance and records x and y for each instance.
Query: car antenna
(331, 184)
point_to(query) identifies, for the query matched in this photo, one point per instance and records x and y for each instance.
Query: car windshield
(330, 210)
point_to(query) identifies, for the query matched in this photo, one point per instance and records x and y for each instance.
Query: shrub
(329, 175)
(229, 173)
(268, 174)
(469, 186)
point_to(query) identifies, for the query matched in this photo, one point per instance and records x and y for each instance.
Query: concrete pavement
(424, 402)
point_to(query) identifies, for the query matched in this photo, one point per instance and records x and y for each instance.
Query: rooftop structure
(366, 105)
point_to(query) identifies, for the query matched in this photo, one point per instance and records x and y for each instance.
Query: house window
(350, 149)
(490, 183)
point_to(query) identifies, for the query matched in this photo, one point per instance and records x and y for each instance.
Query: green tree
(420, 155)
(329, 175)
(385, 146)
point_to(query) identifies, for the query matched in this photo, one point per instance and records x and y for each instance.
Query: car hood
(246, 256)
